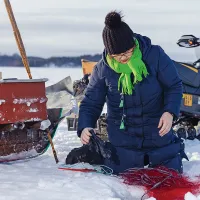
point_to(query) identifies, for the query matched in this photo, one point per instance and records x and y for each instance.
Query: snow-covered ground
(40, 178)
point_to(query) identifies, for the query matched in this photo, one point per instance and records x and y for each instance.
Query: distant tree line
(15, 60)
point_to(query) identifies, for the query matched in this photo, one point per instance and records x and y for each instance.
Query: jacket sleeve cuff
(84, 124)
(174, 109)
(79, 132)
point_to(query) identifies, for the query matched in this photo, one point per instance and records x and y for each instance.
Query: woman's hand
(165, 123)
(85, 135)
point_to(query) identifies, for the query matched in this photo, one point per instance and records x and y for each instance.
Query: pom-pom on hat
(117, 35)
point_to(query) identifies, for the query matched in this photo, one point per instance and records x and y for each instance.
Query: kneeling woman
(143, 92)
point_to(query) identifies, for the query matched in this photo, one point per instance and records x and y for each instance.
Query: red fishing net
(161, 183)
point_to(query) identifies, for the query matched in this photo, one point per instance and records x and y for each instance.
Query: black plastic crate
(72, 123)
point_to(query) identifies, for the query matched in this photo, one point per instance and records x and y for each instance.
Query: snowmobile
(190, 106)
(184, 125)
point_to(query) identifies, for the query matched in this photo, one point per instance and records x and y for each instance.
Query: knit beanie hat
(117, 35)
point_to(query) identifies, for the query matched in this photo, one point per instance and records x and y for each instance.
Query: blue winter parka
(159, 92)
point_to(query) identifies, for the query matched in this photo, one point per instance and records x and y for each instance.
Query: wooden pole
(52, 146)
(24, 58)
(18, 37)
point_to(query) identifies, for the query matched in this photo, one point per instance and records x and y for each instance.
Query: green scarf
(135, 65)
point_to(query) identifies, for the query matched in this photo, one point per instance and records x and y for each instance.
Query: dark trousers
(169, 156)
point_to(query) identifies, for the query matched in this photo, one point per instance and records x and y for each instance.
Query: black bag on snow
(93, 153)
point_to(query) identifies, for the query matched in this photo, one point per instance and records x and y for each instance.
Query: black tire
(181, 133)
(192, 133)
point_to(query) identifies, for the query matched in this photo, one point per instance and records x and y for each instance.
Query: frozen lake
(40, 179)
(53, 74)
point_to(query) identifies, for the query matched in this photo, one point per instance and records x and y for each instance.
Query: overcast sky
(70, 28)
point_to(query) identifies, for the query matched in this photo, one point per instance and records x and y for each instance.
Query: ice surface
(39, 178)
